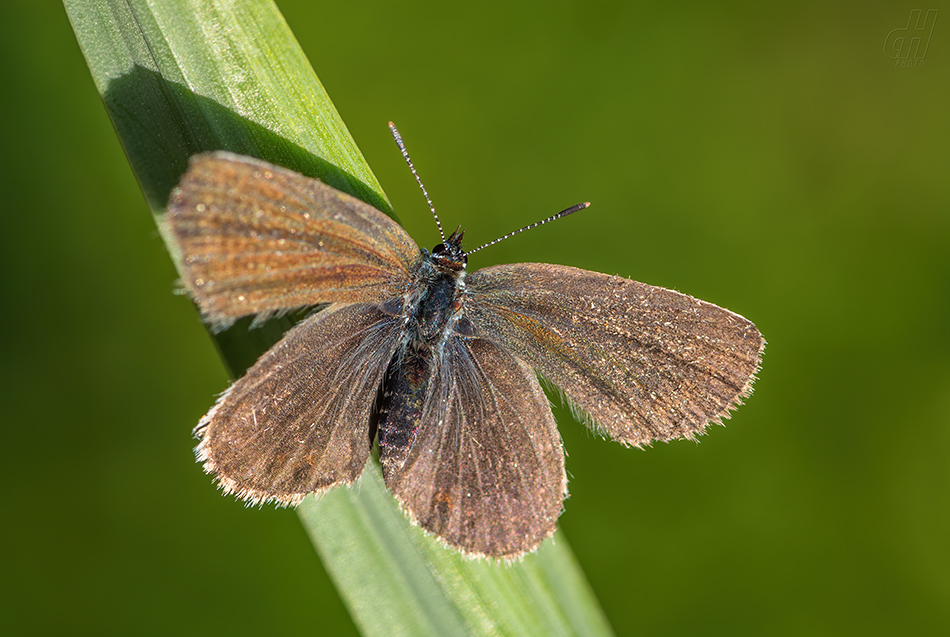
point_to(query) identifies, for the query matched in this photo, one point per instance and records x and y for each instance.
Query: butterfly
(437, 366)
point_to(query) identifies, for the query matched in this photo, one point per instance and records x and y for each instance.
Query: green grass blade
(185, 76)
(435, 590)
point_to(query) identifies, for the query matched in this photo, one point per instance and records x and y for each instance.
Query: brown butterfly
(439, 366)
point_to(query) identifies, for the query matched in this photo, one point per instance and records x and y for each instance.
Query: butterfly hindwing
(298, 421)
(256, 239)
(645, 363)
(486, 469)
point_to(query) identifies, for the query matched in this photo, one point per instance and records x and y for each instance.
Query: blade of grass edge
(183, 77)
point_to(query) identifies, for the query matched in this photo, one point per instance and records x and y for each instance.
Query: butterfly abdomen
(400, 414)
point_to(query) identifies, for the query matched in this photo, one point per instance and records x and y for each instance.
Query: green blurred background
(773, 161)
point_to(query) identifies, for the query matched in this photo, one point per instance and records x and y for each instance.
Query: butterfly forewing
(486, 470)
(256, 239)
(645, 363)
(298, 421)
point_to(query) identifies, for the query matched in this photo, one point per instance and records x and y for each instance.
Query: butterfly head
(449, 256)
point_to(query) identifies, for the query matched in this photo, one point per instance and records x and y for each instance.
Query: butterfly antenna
(563, 213)
(405, 154)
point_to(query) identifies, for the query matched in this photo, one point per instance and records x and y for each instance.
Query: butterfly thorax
(436, 300)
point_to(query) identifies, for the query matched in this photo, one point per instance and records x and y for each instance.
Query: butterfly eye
(450, 256)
